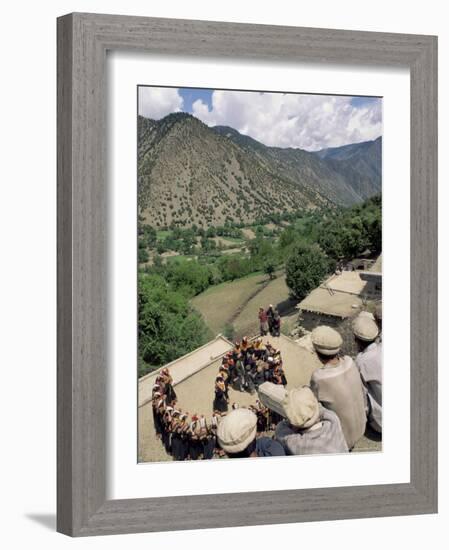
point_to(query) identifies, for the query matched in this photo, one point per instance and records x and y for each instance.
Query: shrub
(305, 269)
(229, 331)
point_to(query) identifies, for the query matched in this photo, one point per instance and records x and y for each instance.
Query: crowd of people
(193, 437)
(248, 365)
(328, 416)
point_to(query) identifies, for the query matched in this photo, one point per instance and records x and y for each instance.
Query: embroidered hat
(365, 328)
(301, 407)
(326, 340)
(237, 430)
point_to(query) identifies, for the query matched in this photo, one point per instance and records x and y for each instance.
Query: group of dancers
(248, 365)
(194, 437)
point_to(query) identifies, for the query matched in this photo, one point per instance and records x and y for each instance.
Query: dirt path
(239, 310)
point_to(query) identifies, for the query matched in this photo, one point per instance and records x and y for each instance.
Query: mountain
(359, 163)
(191, 173)
(299, 166)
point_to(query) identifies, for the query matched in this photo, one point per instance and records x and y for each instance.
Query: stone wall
(309, 320)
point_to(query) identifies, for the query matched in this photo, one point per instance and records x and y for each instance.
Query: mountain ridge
(190, 173)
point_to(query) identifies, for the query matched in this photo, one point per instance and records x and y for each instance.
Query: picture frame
(83, 40)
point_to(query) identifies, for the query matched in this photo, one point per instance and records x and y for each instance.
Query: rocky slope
(190, 173)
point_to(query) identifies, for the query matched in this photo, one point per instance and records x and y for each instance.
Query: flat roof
(186, 366)
(338, 304)
(338, 296)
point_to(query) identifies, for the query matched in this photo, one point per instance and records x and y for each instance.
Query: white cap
(326, 340)
(237, 430)
(365, 328)
(301, 407)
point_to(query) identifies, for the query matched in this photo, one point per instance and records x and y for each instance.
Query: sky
(305, 121)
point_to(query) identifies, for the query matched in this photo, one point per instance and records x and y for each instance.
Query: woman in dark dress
(175, 435)
(270, 315)
(166, 431)
(183, 429)
(157, 401)
(224, 373)
(209, 442)
(231, 371)
(221, 400)
(168, 382)
(195, 445)
(276, 324)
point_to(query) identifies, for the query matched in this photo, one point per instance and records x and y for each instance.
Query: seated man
(369, 363)
(337, 385)
(309, 428)
(236, 435)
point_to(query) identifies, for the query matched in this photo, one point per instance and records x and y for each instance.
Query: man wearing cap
(338, 385)
(236, 435)
(309, 427)
(369, 363)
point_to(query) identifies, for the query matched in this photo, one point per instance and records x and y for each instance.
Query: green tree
(143, 256)
(305, 269)
(269, 268)
(168, 326)
(188, 277)
(287, 237)
(142, 253)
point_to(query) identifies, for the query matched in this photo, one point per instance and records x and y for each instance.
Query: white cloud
(159, 102)
(309, 122)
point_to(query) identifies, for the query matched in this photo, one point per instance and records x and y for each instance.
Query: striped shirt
(326, 437)
(369, 363)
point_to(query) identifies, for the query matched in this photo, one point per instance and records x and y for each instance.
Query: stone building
(340, 298)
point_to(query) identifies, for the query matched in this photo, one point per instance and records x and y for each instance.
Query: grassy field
(161, 234)
(228, 241)
(219, 304)
(238, 302)
(276, 293)
(180, 258)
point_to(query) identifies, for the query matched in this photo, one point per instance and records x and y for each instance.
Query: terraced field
(238, 302)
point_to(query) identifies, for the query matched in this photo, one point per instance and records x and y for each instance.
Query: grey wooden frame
(83, 40)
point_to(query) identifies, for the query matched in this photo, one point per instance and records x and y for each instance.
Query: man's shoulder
(283, 429)
(269, 447)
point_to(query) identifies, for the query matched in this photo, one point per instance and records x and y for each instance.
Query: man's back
(369, 363)
(325, 437)
(340, 389)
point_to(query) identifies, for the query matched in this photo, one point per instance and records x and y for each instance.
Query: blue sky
(306, 121)
(190, 95)
(362, 101)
